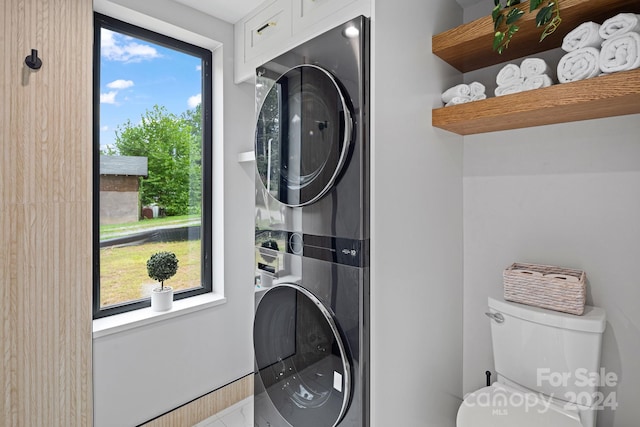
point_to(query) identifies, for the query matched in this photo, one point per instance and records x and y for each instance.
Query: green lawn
(123, 270)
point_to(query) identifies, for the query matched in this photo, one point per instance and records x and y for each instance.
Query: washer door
(303, 134)
(301, 358)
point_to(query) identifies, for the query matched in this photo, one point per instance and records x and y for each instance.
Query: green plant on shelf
(505, 18)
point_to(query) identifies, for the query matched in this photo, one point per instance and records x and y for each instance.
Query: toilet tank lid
(594, 319)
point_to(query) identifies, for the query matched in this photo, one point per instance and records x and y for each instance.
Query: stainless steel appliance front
(312, 233)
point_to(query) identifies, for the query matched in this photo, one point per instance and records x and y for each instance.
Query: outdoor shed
(119, 188)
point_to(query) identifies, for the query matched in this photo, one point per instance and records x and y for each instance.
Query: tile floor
(238, 415)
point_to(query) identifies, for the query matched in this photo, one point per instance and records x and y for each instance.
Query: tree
(174, 158)
(194, 120)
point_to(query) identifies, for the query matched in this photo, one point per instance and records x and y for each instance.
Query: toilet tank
(547, 351)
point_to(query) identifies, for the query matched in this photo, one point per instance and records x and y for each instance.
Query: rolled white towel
(534, 67)
(586, 34)
(509, 89)
(580, 64)
(620, 53)
(458, 90)
(479, 97)
(620, 24)
(477, 89)
(537, 82)
(457, 100)
(509, 74)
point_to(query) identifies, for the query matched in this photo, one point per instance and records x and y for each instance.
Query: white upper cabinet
(276, 26)
(309, 12)
(266, 29)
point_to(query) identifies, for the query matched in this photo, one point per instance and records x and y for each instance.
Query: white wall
(477, 9)
(205, 350)
(416, 231)
(566, 195)
(562, 194)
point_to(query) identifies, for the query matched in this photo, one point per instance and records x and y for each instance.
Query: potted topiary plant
(162, 266)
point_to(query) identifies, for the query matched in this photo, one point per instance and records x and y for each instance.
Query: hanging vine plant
(505, 18)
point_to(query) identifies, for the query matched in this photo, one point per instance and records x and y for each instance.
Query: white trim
(246, 156)
(126, 11)
(131, 16)
(137, 318)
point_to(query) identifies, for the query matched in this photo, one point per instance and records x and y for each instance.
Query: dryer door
(303, 134)
(301, 357)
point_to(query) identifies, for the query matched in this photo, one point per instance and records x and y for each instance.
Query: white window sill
(137, 318)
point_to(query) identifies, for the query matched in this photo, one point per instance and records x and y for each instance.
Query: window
(152, 164)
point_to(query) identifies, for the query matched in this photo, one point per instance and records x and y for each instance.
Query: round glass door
(301, 358)
(303, 134)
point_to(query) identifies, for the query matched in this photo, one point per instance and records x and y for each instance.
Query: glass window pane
(151, 168)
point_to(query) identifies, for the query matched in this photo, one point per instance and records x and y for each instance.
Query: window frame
(103, 21)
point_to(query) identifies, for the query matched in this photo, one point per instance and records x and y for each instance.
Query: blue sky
(136, 75)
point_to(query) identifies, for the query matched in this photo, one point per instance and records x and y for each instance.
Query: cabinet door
(308, 12)
(279, 25)
(267, 28)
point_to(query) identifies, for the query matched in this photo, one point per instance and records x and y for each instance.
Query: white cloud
(120, 84)
(194, 100)
(109, 97)
(104, 128)
(198, 67)
(116, 47)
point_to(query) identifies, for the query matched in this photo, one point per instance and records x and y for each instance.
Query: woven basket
(545, 286)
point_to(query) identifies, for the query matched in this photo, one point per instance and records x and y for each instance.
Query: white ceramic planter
(162, 300)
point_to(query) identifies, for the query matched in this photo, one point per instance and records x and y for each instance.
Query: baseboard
(204, 407)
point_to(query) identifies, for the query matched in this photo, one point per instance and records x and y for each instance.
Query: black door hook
(33, 61)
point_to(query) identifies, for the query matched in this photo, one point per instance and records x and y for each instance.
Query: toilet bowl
(530, 346)
(502, 406)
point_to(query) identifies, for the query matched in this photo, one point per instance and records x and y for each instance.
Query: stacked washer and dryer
(312, 233)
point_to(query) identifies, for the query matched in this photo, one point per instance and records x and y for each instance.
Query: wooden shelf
(468, 47)
(605, 96)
